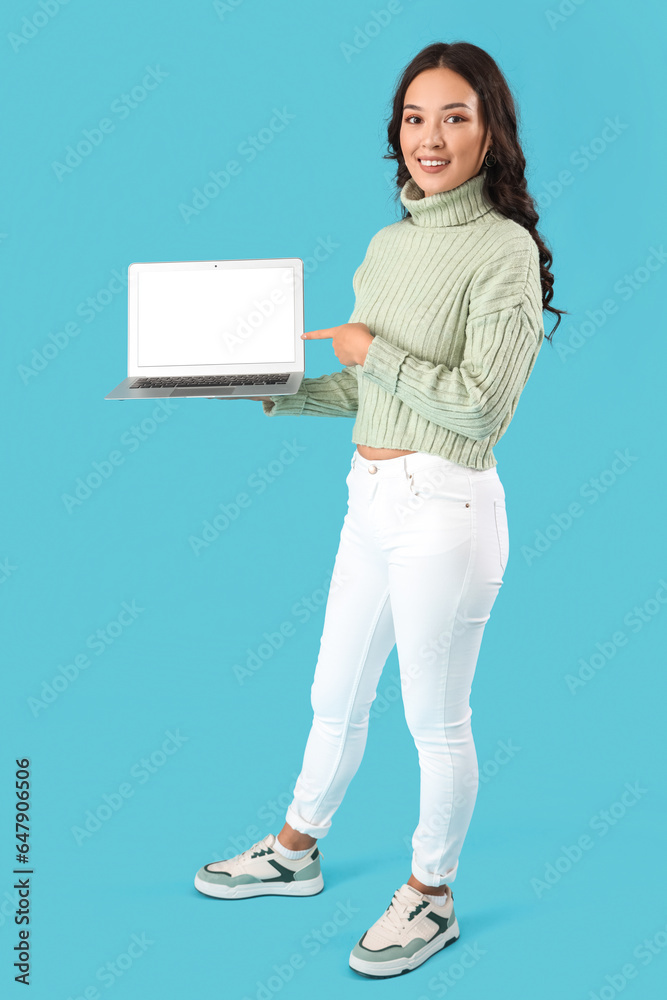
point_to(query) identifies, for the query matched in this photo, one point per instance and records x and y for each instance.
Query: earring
(490, 163)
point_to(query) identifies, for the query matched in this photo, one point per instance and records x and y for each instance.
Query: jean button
(372, 468)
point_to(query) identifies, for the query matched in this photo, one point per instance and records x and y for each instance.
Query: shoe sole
(307, 887)
(397, 966)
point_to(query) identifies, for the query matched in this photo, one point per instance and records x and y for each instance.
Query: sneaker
(409, 931)
(262, 871)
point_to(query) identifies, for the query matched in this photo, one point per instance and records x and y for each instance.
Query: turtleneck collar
(446, 208)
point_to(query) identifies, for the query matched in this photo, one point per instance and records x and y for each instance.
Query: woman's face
(442, 120)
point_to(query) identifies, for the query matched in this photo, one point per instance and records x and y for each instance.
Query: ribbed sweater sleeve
(503, 333)
(334, 395)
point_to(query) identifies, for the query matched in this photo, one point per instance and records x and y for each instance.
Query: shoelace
(245, 855)
(394, 916)
(260, 845)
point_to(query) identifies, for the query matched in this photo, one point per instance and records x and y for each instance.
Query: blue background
(171, 667)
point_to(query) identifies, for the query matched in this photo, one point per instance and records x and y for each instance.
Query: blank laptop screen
(218, 316)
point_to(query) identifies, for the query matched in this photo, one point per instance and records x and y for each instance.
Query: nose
(433, 143)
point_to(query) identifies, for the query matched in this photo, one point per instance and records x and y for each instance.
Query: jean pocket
(502, 532)
(441, 482)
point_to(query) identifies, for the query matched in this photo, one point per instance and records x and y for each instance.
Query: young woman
(445, 332)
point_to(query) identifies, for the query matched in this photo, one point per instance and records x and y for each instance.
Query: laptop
(214, 328)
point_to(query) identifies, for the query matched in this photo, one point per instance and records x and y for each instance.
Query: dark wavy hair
(505, 184)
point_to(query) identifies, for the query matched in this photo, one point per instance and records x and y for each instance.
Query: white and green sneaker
(262, 870)
(409, 931)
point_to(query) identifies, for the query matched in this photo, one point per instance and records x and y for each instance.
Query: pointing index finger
(318, 334)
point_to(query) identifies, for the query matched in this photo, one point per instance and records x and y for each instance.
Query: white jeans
(423, 549)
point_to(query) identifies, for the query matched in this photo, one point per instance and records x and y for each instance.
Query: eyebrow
(443, 108)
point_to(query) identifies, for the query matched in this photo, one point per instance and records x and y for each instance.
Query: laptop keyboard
(162, 382)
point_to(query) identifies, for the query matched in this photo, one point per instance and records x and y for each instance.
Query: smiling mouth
(428, 161)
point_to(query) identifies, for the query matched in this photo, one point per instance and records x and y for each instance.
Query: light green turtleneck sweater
(453, 299)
